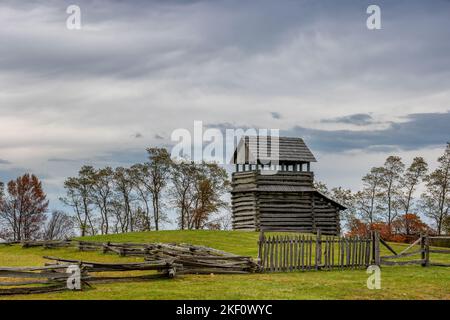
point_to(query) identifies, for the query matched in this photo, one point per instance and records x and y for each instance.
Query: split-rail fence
(419, 252)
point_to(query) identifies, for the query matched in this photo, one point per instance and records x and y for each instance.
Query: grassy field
(398, 282)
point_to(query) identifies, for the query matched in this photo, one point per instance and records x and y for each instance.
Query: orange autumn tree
(410, 224)
(22, 210)
(403, 229)
(358, 228)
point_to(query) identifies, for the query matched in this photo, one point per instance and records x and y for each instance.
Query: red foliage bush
(405, 228)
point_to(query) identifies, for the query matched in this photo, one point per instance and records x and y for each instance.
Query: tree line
(388, 197)
(137, 198)
(116, 200)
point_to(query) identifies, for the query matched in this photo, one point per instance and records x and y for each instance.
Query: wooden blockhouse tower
(273, 188)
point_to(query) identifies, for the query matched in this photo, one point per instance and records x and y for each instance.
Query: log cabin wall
(244, 201)
(285, 201)
(326, 215)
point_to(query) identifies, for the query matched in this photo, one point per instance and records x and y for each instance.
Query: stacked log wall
(275, 202)
(244, 201)
(286, 211)
(326, 216)
(286, 178)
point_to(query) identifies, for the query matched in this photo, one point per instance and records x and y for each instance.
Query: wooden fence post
(260, 246)
(318, 249)
(372, 247)
(422, 249)
(376, 248)
(427, 251)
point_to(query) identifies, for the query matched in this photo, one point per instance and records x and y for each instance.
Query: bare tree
(224, 220)
(347, 199)
(102, 192)
(197, 192)
(436, 198)
(159, 167)
(390, 183)
(123, 185)
(142, 183)
(411, 179)
(183, 176)
(366, 201)
(322, 188)
(59, 227)
(79, 197)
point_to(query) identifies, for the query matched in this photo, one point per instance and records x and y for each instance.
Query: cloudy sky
(137, 70)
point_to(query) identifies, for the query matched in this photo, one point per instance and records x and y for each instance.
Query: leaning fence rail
(422, 254)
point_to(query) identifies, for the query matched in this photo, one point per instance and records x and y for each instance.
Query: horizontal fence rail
(421, 248)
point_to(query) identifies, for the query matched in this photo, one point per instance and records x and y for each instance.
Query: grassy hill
(406, 282)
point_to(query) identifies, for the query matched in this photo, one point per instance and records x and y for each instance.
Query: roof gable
(272, 149)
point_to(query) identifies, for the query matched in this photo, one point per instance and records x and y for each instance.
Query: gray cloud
(123, 157)
(276, 115)
(359, 119)
(63, 160)
(2, 161)
(13, 173)
(419, 130)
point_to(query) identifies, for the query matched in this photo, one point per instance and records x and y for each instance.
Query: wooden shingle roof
(282, 149)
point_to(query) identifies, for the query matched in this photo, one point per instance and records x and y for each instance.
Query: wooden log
(407, 254)
(26, 274)
(412, 245)
(387, 246)
(44, 268)
(33, 290)
(111, 279)
(98, 266)
(438, 251)
(401, 263)
(439, 264)
(26, 283)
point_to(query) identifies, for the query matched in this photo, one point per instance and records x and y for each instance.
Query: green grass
(399, 282)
